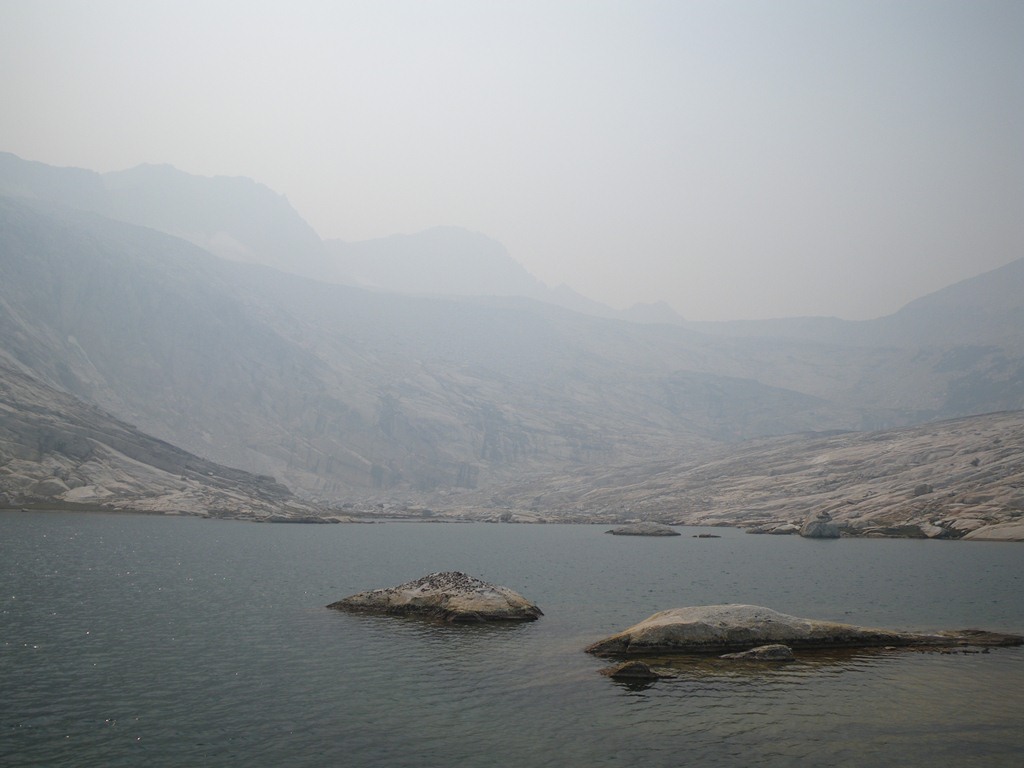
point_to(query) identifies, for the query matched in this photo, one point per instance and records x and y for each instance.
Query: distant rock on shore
(449, 596)
(644, 529)
(730, 628)
(776, 529)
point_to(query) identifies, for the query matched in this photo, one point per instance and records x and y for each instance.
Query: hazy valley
(206, 314)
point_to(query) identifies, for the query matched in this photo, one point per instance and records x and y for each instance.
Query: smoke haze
(734, 159)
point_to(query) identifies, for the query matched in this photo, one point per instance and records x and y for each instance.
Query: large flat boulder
(728, 628)
(1012, 531)
(449, 596)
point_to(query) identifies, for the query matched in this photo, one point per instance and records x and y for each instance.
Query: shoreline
(372, 519)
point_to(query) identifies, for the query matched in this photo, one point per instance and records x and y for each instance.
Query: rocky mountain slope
(962, 478)
(57, 451)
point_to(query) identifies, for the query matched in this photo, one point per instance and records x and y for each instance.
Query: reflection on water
(159, 641)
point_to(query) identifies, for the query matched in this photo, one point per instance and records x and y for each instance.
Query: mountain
(351, 395)
(151, 329)
(446, 261)
(341, 392)
(73, 187)
(241, 220)
(56, 450)
(979, 311)
(957, 351)
(232, 217)
(451, 261)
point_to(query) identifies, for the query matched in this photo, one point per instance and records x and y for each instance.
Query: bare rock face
(730, 628)
(450, 596)
(644, 529)
(820, 527)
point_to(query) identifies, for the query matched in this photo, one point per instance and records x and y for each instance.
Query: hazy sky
(735, 159)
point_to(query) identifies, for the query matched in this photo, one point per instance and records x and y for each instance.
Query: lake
(158, 641)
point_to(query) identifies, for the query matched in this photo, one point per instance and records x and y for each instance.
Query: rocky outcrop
(820, 527)
(450, 596)
(731, 628)
(644, 529)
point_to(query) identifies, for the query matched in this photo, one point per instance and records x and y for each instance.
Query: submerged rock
(634, 670)
(728, 628)
(774, 652)
(644, 529)
(449, 596)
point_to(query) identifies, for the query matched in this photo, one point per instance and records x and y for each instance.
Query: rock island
(644, 529)
(729, 628)
(449, 596)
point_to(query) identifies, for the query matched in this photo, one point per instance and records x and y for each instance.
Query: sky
(735, 159)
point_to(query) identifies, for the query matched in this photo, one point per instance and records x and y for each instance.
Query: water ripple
(152, 641)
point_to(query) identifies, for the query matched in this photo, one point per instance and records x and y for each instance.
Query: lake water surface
(160, 641)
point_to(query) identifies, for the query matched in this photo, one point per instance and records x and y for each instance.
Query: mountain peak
(442, 260)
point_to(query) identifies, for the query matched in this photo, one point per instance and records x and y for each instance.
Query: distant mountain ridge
(980, 309)
(233, 217)
(241, 220)
(440, 261)
(451, 261)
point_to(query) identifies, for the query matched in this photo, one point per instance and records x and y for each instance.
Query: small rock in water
(451, 596)
(773, 652)
(644, 529)
(633, 670)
